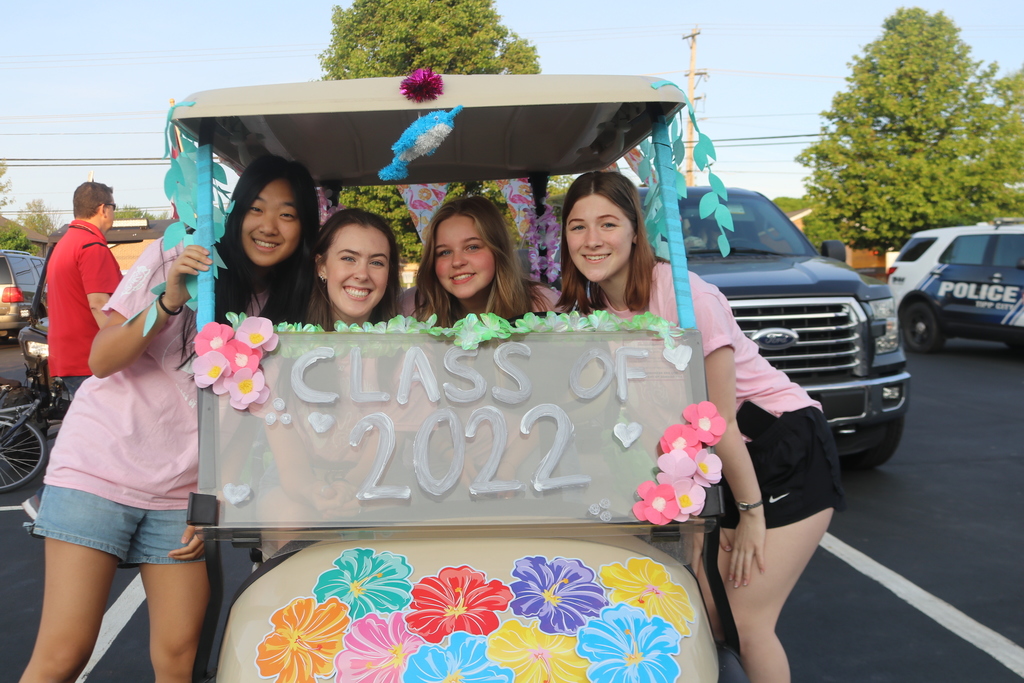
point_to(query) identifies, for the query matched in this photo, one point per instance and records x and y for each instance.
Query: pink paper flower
(709, 468)
(209, 368)
(680, 438)
(676, 465)
(659, 504)
(690, 497)
(257, 333)
(704, 418)
(376, 650)
(245, 387)
(241, 355)
(212, 337)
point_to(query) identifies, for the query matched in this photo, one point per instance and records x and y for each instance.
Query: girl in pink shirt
(126, 457)
(469, 266)
(785, 481)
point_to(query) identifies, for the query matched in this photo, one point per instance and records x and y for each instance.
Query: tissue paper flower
(704, 418)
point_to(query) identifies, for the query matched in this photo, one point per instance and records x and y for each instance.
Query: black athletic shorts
(797, 468)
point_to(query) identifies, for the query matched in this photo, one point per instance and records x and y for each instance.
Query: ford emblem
(775, 338)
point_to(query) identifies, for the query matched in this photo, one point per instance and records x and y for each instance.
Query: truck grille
(829, 330)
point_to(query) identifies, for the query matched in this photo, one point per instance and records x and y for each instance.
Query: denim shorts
(133, 535)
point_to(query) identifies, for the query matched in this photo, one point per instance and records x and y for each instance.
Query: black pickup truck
(831, 329)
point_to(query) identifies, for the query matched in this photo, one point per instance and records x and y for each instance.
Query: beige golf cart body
(568, 422)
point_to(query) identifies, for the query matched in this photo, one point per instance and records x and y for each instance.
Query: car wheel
(921, 331)
(876, 455)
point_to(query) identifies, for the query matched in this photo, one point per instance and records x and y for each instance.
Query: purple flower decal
(561, 593)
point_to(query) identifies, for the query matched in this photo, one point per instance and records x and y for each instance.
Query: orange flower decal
(305, 639)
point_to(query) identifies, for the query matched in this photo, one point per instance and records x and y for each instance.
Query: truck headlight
(38, 349)
(883, 311)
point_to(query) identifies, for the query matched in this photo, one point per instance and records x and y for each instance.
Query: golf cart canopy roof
(511, 126)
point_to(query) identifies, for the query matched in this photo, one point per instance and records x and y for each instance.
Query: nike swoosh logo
(776, 499)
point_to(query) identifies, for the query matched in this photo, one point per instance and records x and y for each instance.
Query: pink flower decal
(709, 468)
(212, 337)
(705, 420)
(658, 504)
(247, 387)
(209, 368)
(457, 599)
(676, 466)
(242, 356)
(690, 497)
(376, 650)
(680, 438)
(257, 333)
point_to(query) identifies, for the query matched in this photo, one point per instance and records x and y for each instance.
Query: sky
(85, 86)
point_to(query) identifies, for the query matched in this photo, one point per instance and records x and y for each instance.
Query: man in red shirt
(81, 276)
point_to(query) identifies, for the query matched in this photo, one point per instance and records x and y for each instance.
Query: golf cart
(494, 529)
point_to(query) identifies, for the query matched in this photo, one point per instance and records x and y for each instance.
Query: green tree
(922, 137)
(125, 211)
(816, 229)
(5, 185)
(13, 237)
(40, 217)
(378, 38)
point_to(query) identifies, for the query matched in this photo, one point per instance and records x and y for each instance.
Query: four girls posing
(118, 481)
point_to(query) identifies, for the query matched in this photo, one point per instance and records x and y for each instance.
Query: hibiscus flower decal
(536, 656)
(463, 661)
(367, 582)
(562, 593)
(626, 645)
(645, 584)
(457, 599)
(377, 650)
(305, 638)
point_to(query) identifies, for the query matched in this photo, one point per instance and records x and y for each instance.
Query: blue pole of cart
(204, 232)
(673, 226)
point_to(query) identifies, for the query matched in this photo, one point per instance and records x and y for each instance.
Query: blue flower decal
(464, 660)
(367, 582)
(627, 646)
(561, 593)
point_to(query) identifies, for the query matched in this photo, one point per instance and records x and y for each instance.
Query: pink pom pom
(422, 85)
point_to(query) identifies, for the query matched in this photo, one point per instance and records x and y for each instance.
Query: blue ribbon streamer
(204, 233)
(673, 225)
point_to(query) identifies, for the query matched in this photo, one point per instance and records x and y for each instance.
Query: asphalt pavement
(921, 582)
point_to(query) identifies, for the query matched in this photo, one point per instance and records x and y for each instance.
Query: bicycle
(24, 450)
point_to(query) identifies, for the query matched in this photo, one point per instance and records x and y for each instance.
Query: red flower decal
(457, 599)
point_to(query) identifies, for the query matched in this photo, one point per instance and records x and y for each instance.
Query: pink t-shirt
(756, 379)
(133, 437)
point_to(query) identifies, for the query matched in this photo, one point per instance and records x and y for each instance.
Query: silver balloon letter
(452, 365)
(505, 365)
(303, 363)
(416, 368)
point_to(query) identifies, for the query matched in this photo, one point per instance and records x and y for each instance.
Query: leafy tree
(125, 211)
(5, 185)
(40, 217)
(923, 137)
(377, 38)
(13, 237)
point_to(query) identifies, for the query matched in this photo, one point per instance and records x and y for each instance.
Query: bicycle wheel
(23, 454)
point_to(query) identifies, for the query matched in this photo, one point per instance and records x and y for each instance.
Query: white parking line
(10, 508)
(114, 620)
(1002, 649)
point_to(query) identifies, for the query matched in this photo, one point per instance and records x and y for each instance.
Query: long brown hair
(320, 311)
(577, 292)
(512, 293)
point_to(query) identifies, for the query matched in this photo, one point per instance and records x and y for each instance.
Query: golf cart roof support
(204, 220)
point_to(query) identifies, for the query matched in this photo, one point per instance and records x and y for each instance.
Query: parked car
(19, 277)
(829, 328)
(964, 281)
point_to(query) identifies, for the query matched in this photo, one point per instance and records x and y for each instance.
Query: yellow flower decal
(646, 584)
(305, 639)
(535, 656)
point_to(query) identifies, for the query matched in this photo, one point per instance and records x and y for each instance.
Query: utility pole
(691, 79)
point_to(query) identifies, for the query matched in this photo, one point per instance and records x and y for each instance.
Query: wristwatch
(748, 506)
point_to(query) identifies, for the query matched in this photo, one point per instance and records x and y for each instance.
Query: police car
(961, 282)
